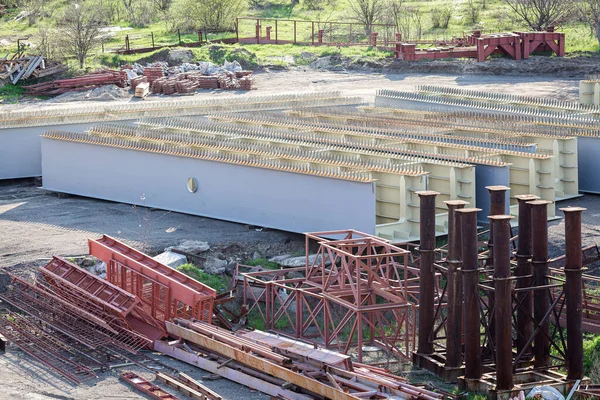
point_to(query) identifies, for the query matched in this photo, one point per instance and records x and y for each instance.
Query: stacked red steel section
(165, 293)
(80, 83)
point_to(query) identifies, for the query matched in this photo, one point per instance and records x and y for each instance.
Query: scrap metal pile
(287, 368)
(18, 68)
(80, 83)
(79, 324)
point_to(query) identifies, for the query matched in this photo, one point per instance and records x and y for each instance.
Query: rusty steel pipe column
(470, 273)
(574, 289)
(541, 298)
(497, 207)
(503, 294)
(454, 285)
(524, 272)
(426, 274)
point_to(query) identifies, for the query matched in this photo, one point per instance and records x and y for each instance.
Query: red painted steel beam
(186, 289)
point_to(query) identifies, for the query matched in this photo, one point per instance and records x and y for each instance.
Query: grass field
(495, 16)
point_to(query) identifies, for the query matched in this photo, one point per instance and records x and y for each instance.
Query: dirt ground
(35, 224)
(362, 84)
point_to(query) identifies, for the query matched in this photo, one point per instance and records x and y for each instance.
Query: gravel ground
(35, 224)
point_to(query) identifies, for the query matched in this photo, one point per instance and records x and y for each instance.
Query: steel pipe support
(541, 298)
(470, 275)
(574, 289)
(427, 276)
(524, 272)
(454, 286)
(497, 207)
(503, 306)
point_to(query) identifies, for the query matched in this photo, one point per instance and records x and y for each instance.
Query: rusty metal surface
(146, 387)
(454, 285)
(165, 293)
(541, 298)
(258, 363)
(470, 274)
(357, 283)
(574, 290)
(503, 304)
(426, 272)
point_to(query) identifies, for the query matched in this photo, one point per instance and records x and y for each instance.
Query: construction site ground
(35, 224)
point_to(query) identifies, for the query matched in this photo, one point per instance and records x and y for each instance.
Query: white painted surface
(256, 196)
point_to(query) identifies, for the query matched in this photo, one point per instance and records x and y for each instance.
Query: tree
(216, 15)
(539, 14)
(33, 8)
(394, 10)
(471, 11)
(139, 11)
(589, 11)
(367, 12)
(80, 27)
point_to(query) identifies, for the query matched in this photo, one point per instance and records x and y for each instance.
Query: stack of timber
(142, 89)
(80, 83)
(282, 367)
(19, 69)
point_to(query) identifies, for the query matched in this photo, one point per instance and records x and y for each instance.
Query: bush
(440, 17)
(217, 282)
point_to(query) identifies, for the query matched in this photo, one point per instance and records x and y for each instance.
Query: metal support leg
(454, 285)
(524, 272)
(574, 288)
(503, 313)
(470, 272)
(541, 298)
(426, 277)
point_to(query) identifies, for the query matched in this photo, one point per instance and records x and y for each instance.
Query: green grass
(218, 282)
(263, 262)
(495, 17)
(11, 93)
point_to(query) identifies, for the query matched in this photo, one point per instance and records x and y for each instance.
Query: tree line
(77, 26)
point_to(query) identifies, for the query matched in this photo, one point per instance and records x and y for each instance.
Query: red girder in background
(165, 293)
(544, 41)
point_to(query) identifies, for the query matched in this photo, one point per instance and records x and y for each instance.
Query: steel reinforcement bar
(508, 98)
(413, 100)
(193, 106)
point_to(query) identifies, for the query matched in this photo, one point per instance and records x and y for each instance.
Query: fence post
(237, 29)
(294, 32)
(152, 33)
(313, 33)
(276, 42)
(350, 42)
(330, 33)
(179, 35)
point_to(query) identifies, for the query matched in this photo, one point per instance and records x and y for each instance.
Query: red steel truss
(165, 293)
(69, 278)
(358, 290)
